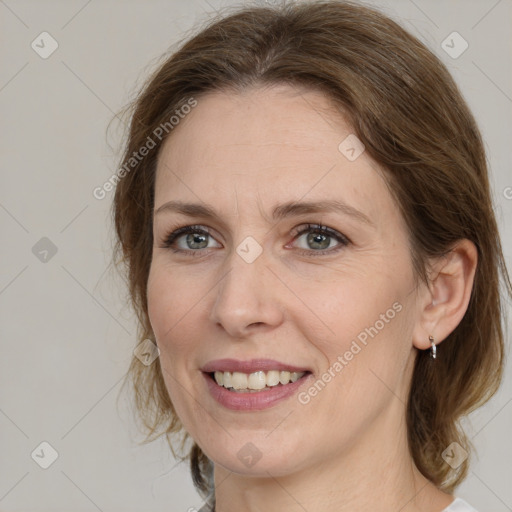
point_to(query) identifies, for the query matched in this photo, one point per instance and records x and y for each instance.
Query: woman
(309, 240)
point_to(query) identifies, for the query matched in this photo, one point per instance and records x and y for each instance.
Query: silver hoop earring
(433, 348)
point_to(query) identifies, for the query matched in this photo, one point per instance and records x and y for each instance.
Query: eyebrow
(290, 209)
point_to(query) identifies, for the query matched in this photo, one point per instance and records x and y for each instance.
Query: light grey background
(66, 334)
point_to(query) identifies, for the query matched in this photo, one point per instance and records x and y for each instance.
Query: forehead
(274, 144)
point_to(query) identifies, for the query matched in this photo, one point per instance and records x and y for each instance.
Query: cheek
(159, 298)
(171, 314)
(170, 301)
(362, 319)
(346, 306)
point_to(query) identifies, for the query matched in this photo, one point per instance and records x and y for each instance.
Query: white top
(459, 505)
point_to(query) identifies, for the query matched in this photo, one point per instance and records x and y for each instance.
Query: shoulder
(459, 505)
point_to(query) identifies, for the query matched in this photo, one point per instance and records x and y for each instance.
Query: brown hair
(405, 107)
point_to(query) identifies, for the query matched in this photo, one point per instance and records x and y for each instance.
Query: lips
(246, 398)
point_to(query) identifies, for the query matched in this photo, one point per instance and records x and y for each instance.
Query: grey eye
(197, 241)
(318, 241)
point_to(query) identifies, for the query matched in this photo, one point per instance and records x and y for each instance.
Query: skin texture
(346, 449)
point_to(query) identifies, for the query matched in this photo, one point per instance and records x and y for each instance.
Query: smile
(257, 381)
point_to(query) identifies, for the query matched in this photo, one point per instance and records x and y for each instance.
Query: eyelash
(171, 238)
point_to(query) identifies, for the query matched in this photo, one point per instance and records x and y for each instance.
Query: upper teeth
(256, 380)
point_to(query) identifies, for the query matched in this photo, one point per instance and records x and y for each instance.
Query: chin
(262, 467)
(258, 457)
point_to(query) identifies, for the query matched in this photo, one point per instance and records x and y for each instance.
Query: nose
(246, 298)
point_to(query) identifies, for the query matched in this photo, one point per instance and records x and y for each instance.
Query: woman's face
(249, 285)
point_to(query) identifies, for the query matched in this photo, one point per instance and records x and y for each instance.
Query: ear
(443, 304)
